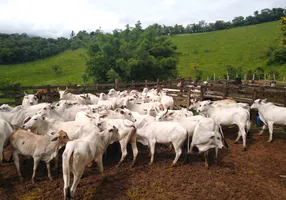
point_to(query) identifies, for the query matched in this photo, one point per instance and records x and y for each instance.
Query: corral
(257, 173)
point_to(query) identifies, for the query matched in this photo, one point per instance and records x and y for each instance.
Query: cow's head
(204, 106)
(63, 93)
(29, 99)
(34, 122)
(126, 114)
(258, 103)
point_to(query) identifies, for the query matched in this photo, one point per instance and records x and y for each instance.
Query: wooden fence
(13, 95)
(222, 89)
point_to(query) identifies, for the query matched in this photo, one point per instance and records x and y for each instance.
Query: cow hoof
(244, 148)
(269, 141)
(21, 179)
(207, 166)
(235, 142)
(50, 178)
(259, 133)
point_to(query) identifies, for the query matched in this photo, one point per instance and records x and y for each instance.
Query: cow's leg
(49, 170)
(17, 164)
(56, 162)
(76, 178)
(98, 160)
(1, 150)
(152, 145)
(178, 150)
(243, 134)
(270, 128)
(36, 162)
(206, 154)
(134, 149)
(123, 146)
(216, 155)
(262, 130)
(238, 137)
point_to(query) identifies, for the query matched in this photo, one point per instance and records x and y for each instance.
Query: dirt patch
(254, 174)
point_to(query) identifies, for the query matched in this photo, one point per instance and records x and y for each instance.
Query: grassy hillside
(244, 46)
(40, 72)
(211, 52)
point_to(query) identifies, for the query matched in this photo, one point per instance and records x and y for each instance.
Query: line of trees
(265, 15)
(19, 48)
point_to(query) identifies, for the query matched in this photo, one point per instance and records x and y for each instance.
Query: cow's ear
(54, 139)
(264, 100)
(259, 101)
(121, 112)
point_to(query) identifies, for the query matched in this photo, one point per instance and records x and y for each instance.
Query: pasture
(253, 174)
(210, 52)
(243, 46)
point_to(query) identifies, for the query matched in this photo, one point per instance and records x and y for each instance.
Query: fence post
(170, 83)
(202, 92)
(116, 84)
(284, 78)
(133, 84)
(188, 97)
(253, 112)
(18, 94)
(245, 79)
(225, 92)
(146, 83)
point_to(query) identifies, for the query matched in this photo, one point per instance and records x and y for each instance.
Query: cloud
(54, 18)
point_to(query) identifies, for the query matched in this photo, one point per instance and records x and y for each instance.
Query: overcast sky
(56, 18)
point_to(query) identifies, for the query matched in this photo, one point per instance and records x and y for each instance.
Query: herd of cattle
(86, 124)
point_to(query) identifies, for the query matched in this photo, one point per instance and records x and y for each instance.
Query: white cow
(269, 114)
(79, 98)
(40, 147)
(126, 131)
(152, 132)
(83, 151)
(75, 129)
(228, 116)
(5, 131)
(29, 99)
(206, 137)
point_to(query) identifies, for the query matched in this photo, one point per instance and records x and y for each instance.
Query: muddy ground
(254, 174)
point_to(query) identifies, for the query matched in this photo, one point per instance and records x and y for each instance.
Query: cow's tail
(66, 169)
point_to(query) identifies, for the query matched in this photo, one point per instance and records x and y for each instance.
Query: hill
(71, 66)
(244, 46)
(210, 52)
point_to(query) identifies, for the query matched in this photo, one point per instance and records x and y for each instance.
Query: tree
(132, 54)
(72, 35)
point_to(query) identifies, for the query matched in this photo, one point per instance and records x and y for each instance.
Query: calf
(82, 152)
(40, 147)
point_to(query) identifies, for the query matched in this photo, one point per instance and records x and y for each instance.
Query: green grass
(211, 52)
(40, 72)
(244, 46)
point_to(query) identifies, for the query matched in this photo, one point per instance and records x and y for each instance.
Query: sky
(57, 18)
